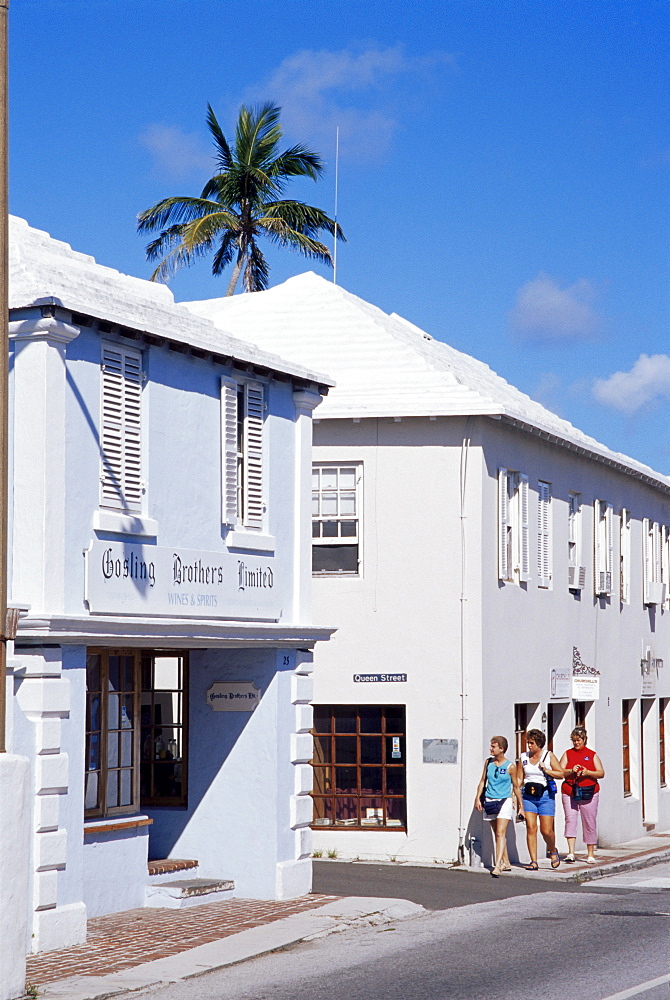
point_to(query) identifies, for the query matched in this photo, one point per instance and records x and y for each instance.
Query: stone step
(187, 892)
(171, 870)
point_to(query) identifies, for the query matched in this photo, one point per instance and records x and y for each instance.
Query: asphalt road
(435, 888)
(579, 945)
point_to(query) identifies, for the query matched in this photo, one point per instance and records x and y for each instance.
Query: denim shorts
(546, 806)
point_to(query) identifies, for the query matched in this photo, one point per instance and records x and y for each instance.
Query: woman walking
(580, 791)
(497, 788)
(537, 767)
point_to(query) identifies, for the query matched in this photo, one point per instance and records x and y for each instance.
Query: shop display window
(359, 766)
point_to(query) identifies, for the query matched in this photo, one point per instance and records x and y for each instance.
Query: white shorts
(506, 811)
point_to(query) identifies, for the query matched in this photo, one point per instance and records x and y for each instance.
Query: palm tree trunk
(236, 271)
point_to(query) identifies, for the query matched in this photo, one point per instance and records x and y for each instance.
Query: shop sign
(649, 665)
(379, 678)
(233, 696)
(585, 688)
(133, 579)
(561, 683)
(440, 751)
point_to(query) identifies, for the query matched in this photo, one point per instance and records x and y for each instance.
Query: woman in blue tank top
(497, 789)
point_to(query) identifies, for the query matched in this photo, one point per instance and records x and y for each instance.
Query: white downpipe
(463, 472)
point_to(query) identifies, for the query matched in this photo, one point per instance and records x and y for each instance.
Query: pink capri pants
(589, 813)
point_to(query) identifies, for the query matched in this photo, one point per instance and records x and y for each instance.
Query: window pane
(323, 812)
(329, 528)
(91, 790)
(395, 812)
(395, 780)
(316, 529)
(348, 529)
(94, 752)
(93, 673)
(345, 719)
(94, 712)
(322, 718)
(346, 811)
(371, 718)
(345, 749)
(335, 558)
(395, 718)
(113, 717)
(346, 779)
(127, 703)
(347, 479)
(112, 750)
(166, 673)
(126, 787)
(112, 789)
(372, 811)
(323, 780)
(126, 749)
(315, 505)
(322, 750)
(371, 780)
(146, 674)
(315, 479)
(114, 673)
(127, 672)
(371, 750)
(347, 503)
(328, 479)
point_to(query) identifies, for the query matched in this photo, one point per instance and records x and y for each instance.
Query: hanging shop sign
(233, 696)
(440, 751)
(379, 678)
(147, 580)
(585, 679)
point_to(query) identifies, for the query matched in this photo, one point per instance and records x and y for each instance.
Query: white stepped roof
(384, 366)
(43, 271)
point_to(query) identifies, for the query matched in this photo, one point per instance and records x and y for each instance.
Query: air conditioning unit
(604, 583)
(655, 592)
(576, 577)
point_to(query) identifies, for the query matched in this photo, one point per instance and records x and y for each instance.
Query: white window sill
(251, 541)
(124, 524)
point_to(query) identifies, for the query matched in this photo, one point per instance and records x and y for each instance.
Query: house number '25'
(286, 661)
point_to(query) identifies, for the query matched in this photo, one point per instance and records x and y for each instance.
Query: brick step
(178, 894)
(171, 870)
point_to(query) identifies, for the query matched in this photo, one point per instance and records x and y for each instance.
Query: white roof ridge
(43, 269)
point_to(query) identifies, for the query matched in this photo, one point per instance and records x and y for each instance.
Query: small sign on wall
(440, 751)
(233, 696)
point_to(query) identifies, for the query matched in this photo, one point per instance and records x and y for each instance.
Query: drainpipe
(4, 367)
(465, 448)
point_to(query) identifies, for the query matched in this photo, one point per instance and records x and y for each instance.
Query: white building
(489, 568)
(160, 556)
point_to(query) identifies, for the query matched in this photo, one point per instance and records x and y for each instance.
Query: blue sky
(504, 166)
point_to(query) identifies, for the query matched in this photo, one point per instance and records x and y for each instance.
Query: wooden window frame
(148, 730)
(352, 521)
(103, 732)
(356, 795)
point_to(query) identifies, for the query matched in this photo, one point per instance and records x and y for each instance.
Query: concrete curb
(328, 919)
(585, 874)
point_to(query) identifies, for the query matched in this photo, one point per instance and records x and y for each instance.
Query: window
(654, 588)
(513, 537)
(359, 766)
(118, 682)
(604, 547)
(163, 730)
(624, 556)
(522, 714)
(242, 409)
(336, 505)
(120, 436)
(626, 709)
(544, 534)
(662, 712)
(576, 569)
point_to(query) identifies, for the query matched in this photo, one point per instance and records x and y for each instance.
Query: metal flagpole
(337, 170)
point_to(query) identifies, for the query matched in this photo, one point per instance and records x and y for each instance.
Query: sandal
(506, 868)
(570, 858)
(555, 859)
(532, 867)
(495, 872)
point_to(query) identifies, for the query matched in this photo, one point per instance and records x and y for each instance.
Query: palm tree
(239, 203)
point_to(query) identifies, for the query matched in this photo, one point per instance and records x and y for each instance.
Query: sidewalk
(649, 850)
(140, 948)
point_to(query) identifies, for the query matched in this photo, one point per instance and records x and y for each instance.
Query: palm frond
(298, 161)
(181, 256)
(257, 134)
(209, 228)
(225, 253)
(171, 211)
(224, 157)
(301, 217)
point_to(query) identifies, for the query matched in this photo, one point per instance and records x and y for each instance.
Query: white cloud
(177, 154)
(355, 89)
(647, 381)
(545, 311)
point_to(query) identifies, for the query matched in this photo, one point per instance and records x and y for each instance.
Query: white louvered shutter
(253, 456)
(121, 428)
(609, 537)
(647, 556)
(524, 527)
(503, 525)
(229, 512)
(543, 535)
(625, 556)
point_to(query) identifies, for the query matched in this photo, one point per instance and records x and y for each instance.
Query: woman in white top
(535, 766)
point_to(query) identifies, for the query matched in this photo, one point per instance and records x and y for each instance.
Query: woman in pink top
(580, 792)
